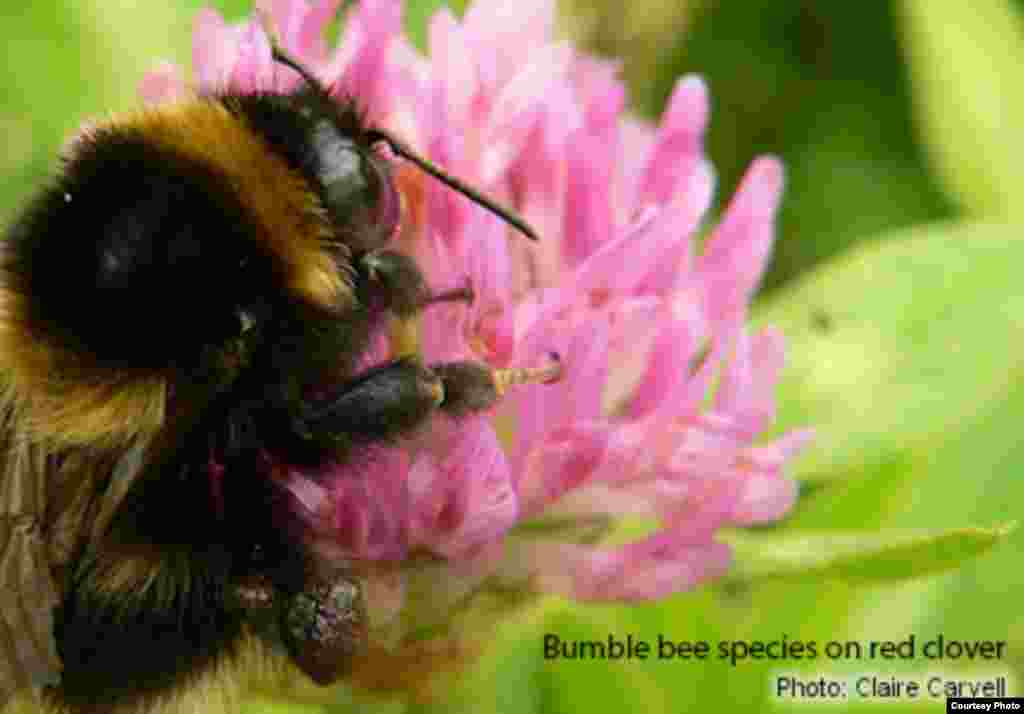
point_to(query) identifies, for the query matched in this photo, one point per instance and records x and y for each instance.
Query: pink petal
(777, 453)
(577, 394)
(370, 510)
(600, 91)
(637, 141)
(678, 147)
(310, 497)
(452, 63)
(254, 69)
(164, 83)
(447, 210)
(635, 322)
(767, 495)
(504, 35)
(680, 373)
(649, 256)
(704, 486)
(588, 222)
(736, 254)
(301, 27)
(367, 75)
(683, 216)
(352, 38)
(443, 330)
(488, 261)
(618, 264)
(563, 461)
(214, 51)
(764, 498)
(746, 390)
(443, 327)
(518, 107)
(462, 495)
(308, 39)
(668, 369)
(490, 275)
(357, 510)
(540, 176)
(495, 338)
(661, 565)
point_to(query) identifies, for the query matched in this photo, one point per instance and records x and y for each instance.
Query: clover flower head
(665, 390)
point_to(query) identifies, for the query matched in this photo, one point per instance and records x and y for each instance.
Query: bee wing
(49, 506)
(28, 588)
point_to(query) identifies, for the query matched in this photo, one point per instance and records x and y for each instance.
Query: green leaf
(964, 61)
(159, 31)
(899, 342)
(875, 556)
(586, 684)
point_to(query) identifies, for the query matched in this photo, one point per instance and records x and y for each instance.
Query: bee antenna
(403, 150)
(279, 54)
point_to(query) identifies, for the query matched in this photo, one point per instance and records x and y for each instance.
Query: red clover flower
(664, 389)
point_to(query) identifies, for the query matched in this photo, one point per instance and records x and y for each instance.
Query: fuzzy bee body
(183, 314)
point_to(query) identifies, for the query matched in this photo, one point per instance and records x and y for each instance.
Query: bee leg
(379, 405)
(324, 626)
(393, 282)
(396, 398)
(396, 281)
(474, 386)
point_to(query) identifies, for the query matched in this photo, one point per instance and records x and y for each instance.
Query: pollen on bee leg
(543, 374)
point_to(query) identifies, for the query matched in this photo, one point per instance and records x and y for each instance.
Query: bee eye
(358, 191)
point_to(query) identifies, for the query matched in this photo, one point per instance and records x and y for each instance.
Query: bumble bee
(183, 312)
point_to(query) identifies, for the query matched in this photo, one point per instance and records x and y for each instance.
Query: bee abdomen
(134, 625)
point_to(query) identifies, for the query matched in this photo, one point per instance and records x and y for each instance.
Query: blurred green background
(895, 279)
